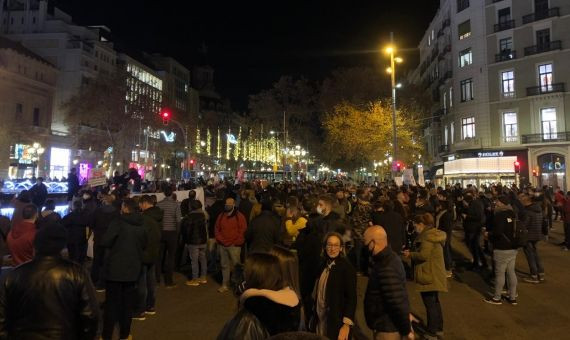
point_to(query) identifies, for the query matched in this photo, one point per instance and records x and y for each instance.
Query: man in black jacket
(264, 231)
(99, 224)
(504, 250)
(125, 240)
(473, 221)
(393, 223)
(48, 297)
(214, 211)
(386, 305)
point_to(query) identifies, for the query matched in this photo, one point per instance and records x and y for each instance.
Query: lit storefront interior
(59, 163)
(480, 171)
(24, 160)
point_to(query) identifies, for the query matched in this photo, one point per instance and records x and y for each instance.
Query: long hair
(326, 238)
(289, 267)
(263, 271)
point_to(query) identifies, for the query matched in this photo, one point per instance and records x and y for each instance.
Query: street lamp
(392, 70)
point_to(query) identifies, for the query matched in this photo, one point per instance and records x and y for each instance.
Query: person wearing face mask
(230, 231)
(335, 292)
(429, 272)
(386, 303)
(329, 220)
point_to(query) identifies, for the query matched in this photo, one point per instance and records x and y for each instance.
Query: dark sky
(251, 44)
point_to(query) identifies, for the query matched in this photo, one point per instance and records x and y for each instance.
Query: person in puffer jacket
(533, 220)
(195, 235)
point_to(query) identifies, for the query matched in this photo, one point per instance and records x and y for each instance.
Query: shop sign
(97, 178)
(491, 154)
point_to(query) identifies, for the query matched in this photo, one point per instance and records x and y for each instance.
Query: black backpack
(519, 238)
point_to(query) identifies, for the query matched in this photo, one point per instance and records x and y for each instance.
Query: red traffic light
(192, 161)
(517, 164)
(165, 113)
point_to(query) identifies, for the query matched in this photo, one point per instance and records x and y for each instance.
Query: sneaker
(193, 282)
(150, 311)
(511, 301)
(140, 317)
(493, 301)
(223, 289)
(202, 280)
(449, 274)
(541, 277)
(533, 280)
(170, 286)
(100, 290)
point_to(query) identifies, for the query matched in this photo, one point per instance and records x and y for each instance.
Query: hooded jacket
(126, 241)
(502, 234)
(101, 219)
(21, 242)
(430, 274)
(152, 223)
(230, 229)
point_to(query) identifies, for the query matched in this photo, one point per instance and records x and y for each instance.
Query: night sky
(251, 44)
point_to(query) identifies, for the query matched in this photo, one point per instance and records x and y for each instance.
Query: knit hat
(50, 240)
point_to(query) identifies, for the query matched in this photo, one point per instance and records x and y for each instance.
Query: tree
(99, 116)
(358, 135)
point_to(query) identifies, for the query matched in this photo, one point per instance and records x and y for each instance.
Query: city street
(542, 312)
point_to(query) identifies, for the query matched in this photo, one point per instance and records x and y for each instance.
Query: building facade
(499, 90)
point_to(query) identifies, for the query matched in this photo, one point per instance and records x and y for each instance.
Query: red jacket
(230, 230)
(21, 242)
(559, 198)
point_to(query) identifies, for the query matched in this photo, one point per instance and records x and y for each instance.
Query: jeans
(229, 257)
(433, 311)
(199, 261)
(567, 234)
(97, 267)
(534, 263)
(505, 261)
(473, 241)
(146, 289)
(168, 246)
(213, 256)
(447, 252)
(119, 299)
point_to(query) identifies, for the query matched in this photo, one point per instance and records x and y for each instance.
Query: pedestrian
(264, 231)
(76, 224)
(21, 237)
(267, 306)
(335, 292)
(49, 215)
(504, 251)
(294, 221)
(386, 304)
(194, 231)
(146, 286)
(72, 185)
(290, 272)
(169, 237)
(566, 219)
(39, 193)
(125, 241)
(392, 223)
(473, 221)
(533, 210)
(429, 273)
(24, 198)
(214, 212)
(48, 297)
(444, 222)
(101, 218)
(361, 218)
(230, 231)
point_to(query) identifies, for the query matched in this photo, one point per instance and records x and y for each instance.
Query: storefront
(486, 167)
(59, 162)
(25, 160)
(548, 164)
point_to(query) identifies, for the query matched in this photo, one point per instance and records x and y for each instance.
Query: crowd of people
(290, 252)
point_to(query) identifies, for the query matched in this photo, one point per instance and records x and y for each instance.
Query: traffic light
(165, 115)
(517, 167)
(191, 164)
(398, 166)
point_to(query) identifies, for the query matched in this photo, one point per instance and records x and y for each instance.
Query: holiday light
(219, 145)
(198, 147)
(208, 142)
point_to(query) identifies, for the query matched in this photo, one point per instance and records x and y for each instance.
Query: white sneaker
(223, 289)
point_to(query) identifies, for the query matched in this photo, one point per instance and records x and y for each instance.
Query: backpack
(519, 238)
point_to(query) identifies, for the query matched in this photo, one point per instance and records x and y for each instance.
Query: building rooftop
(6, 43)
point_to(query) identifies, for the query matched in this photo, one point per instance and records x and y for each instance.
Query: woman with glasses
(335, 292)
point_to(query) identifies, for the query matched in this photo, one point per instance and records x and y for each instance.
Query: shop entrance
(552, 170)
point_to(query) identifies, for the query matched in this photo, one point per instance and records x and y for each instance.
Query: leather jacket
(48, 298)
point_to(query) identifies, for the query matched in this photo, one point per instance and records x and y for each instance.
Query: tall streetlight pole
(392, 70)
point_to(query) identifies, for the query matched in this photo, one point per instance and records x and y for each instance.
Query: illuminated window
(465, 57)
(468, 128)
(548, 119)
(452, 132)
(545, 77)
(510, 126)
(464, 30)
(508, 84)
(450, 97)
(466, 90)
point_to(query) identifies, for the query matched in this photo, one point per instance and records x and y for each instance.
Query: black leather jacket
(48, 298)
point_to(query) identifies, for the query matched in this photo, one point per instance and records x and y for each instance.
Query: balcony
(551, 12)
(510, 139)
(552, 137)
(507, 25)
(495, 1)
(443, 149)
(544, 89)
(505, 55)
(546, 47)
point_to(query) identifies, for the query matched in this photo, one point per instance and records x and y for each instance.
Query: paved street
(542, 312)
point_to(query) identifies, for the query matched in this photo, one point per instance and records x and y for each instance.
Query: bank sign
(490, 154)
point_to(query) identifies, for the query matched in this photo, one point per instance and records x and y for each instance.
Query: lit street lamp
(392, 70)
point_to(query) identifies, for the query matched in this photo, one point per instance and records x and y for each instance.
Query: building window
(450, 97)
(33, 20)
(452, 132)
(465, 57)
(508, 84)
(19, 109)
(444, 102)
(429, 40)
(545, 77)
(36, 118)
(506, 44)
(548, 120)
(510, 127)
(462, 4)
(466, 90)
(504, 15)
(464, 30)
(446, 135)
(543, 39)
(468, 127)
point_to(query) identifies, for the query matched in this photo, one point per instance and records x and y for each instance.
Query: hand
(289, 213)
(406, 253)
(413, 318)
(343, 334)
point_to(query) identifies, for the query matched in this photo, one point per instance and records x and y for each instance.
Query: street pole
(285, 146)
(393, 74)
